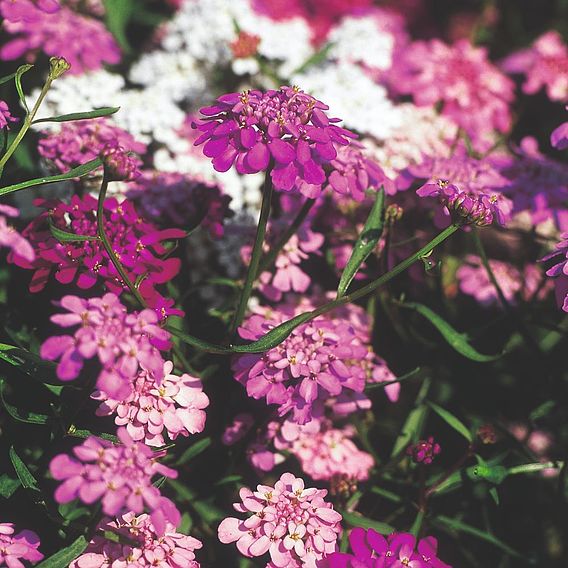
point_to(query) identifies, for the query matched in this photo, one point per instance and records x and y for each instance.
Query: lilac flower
(372, 550)
(559, 137)
(118, 475)
(424, 451)
(559, 270)
(5, 116)
(17, 547)
(293, 524)
(238, 429)
(319, 361)
(286, 131)
(20, 247)
(84, 42)
(472, 91)
(166, 401)
(137, 244)
(125, 344)
(83, 140)
(544, 64)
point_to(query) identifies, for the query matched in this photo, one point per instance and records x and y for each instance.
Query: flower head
(289, 521)
(424, 451)
(118, 475)
(286, 131)
(19, 246)
(146, 547)
(5, 116)
(17, 547)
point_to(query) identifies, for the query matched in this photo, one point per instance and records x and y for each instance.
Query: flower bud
(424, 451)
(57, 67)
(119, 164)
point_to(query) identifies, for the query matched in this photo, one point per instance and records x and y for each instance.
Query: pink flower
(472, 91)
(81, 141)
(125, 344)
(544, 64)
(158, 403)
(27, 10)
(118, 475)
(17, 547)
(139, 246)
(5, 116)
(286, 131)
(559, 137)
(291, 523)
(559, 270)
(84, 42)
(238, 429)
(424, 451)
(20, 247)
(148, 549)
(119, 164)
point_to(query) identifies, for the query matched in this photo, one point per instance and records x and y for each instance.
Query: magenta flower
(286, 131)
(19, 246)
(172, 199)
(158, 403)
(238, 429)
(319, 361)
(137, 244)
(81, 141)
(148, 549)
(84, 42)
(119, 164)
(472, 91)
(293, 524)
(125, 344)
(559, 137)
(372, 550)
(118, 475)
(424, 451)
(544, 64)
(5, 116)
(559, 270)
(17, 547)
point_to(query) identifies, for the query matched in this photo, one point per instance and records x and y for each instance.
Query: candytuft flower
(286, 131)
(424, 451)
(118, 475)
(119, 165)
(292, 523)
(20, 247)
(5, 115)
(17, 547)
(559, 270)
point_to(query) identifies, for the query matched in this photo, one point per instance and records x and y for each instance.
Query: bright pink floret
(17, 547)
(120, 476)
(5, 115)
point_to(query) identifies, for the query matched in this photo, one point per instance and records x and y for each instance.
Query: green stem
(256, 253)
(107, 245)
(269, 258)
(26, 126)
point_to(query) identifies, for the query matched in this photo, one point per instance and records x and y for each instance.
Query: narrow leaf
(7, 78)
(64, 557)
(8, 485)
(26, 478)
(79, 171)
(357, 520)
(455, 339)
(97, 113)
(117, 15)
(454, 422)
(18, 79)
(66, 237)
(21, 415)
(365, 244)
(194, 450)
(401, 379)
(29, 363)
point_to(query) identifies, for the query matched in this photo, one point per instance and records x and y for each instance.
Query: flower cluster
(544, 64)
(17, 547)
(57, 30)
(327, 357)
(370, 549)
(424, 451)
(285, 131)
(137, 244)
(119, 475)
(125, 344)
(294, 524)
(79, 142)
(166, 401)
(145, 548)
(473, 92)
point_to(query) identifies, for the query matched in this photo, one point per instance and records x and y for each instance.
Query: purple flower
(19, 246)
(424, 451)
(118, 475)
(285, 130)
(125, 344)
(5, 116)
(27, 10)
(17, 547)
(559, 270)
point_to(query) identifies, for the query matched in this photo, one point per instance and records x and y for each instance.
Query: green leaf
(542, 410)
(29, 363)
(97, 113)
(18, 79)
(8, 485)
(230, 479)
(117, 16)
(79, 171)
(454, 422)
(64, 557)
(382, 385)
(66, 237)
(84, 434)
(494, 495)
(194, 450)
(455, 339)
(26, 478)
(21, 415)
(7, 78)
(365, 244)
(459, 526)
(315, 59)
(357, 520)
(386, 494)
(532, 467)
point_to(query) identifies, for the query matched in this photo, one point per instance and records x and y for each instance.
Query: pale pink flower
(290, 522)
(17, 547)
(118, 475)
